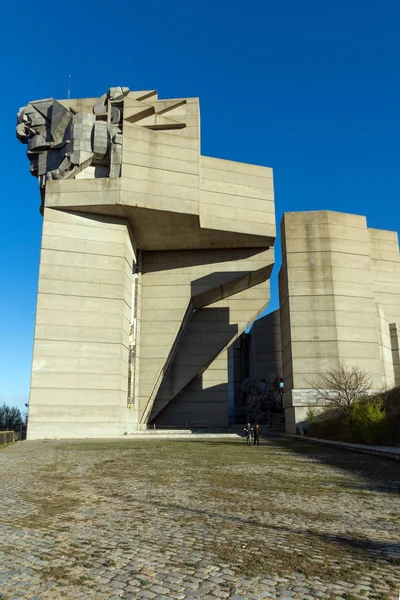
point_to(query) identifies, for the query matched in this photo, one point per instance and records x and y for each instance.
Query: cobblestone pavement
(183, 520)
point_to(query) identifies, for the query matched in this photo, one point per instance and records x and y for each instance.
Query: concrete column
(395, 345)
(80, 356)
(385, 349)
(328, 306)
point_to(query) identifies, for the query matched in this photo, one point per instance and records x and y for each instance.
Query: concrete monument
(339, 291)
(339, 288)
(154, 260)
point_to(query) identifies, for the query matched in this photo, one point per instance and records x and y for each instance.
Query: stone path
(179, 520)
(388, 451)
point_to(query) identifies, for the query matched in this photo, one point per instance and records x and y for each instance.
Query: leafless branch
(340, 387)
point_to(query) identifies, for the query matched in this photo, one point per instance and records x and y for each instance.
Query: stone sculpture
(62, 143)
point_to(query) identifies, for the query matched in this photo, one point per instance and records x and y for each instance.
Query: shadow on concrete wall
(222, 284)
(195, 407)
(189, 258)
(206, 334)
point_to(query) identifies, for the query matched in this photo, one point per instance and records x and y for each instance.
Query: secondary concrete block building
(154, 260)
(339, 291)
(339, 288)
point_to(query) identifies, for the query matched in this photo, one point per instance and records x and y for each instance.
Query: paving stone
(133, 586)
(159, 589)
(367, 588)
(149, 544)
(117, 584)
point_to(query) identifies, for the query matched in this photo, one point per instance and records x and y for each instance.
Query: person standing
(249, 433)
(256, 435)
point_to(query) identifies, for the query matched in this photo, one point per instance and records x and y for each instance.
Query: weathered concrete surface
(84, 304)
(339, 289)
(266, 347)
(154, 260)
(183, 520)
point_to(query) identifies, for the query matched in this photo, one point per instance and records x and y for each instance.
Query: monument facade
(154, 259)
(339, 288)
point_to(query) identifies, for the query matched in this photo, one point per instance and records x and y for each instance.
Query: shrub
(368, 418)
(6, 437)
(372, 420)
(351, 413)
(312, 416)
(328, 425)
(391, 402)
(10, 418)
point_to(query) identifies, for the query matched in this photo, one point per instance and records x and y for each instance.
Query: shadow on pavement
(373, 550)
(374, 473)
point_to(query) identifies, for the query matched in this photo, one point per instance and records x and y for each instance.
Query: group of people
(253, 434)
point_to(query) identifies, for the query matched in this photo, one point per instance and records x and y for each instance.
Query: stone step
(175, 435)
(235, 432)
(151, 432)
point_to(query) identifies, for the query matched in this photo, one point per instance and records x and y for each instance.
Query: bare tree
(340, 387)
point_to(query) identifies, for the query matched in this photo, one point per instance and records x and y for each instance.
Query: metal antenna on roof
(69, 87)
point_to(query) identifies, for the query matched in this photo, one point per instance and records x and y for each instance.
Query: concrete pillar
(80, 355)
(328, 296)
(395, 345)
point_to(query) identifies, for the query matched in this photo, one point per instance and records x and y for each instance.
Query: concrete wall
(237, 197)
(80, 354)
(176, 339)
(335, 303)
(238, 371)
(395, 345)
(385, 264)
(385, 349)
(205, 337)
(204, 230)
(254, 355)
(203, 403)
(265, 347)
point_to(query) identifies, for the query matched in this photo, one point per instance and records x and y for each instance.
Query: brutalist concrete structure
(154, 260)
(339, 288)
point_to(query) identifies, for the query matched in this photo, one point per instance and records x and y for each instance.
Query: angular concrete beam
(161, 239)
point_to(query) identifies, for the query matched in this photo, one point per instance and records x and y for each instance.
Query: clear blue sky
(310, 88)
